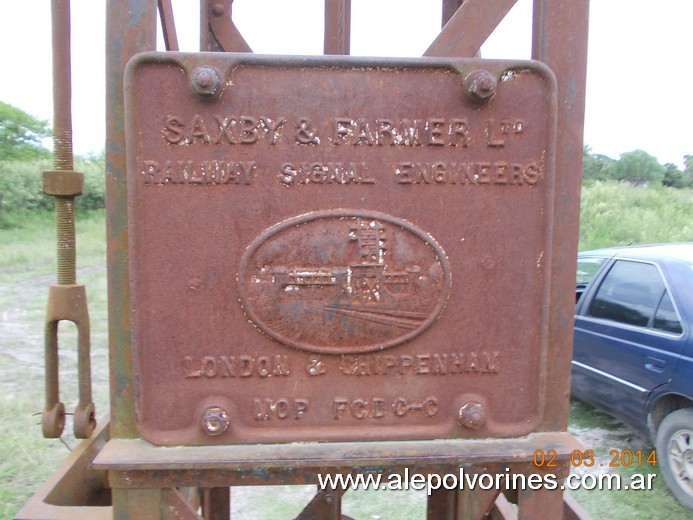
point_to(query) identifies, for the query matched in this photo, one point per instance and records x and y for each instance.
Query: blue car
(633, 350)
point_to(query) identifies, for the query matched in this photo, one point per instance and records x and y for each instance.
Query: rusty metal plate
(338, 248)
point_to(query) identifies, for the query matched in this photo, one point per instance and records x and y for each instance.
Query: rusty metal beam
(572, 510)
(223, 35)
(139, 455)
(168, 25)
(125, 37)
(539, 503)
(469, 28)
(442, 504)
(337, 27)
(75, 490)
(559, 39)
(140, 503)
(450, 7)
(502, 509)
(325, 505)
(216, 503)
(175, 507)
(475, 504)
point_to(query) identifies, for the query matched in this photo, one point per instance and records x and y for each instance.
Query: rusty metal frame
(144, 479)
(218, 32)
(461, 38)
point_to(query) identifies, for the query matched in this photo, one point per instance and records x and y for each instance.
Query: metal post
(449, 8)
(554, 24)
(125, 36)
(337, 27)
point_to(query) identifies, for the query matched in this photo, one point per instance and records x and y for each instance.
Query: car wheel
(674, 445)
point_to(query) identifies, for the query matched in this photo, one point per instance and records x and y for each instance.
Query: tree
(638, 167)
(688, 171)
(21, 135)
(673, 177)
(595, 167)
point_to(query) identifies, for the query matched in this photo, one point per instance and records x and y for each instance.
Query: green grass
(284, 502)
(27, 458)
(602, 434)
(612, 214)
(27, 267)
(28, 249)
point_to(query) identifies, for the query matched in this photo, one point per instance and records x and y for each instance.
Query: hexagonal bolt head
(472, 415)
(205, 81)
(215, 421)
(219, 9)
(480, 85)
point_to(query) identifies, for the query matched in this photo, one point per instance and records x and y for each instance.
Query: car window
(586, 269)
(634, 293)
(666, 318)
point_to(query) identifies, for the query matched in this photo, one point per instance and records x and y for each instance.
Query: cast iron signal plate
(338, 248)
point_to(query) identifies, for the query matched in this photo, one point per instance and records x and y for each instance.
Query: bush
(620, 214)
(21, 188)
(94, 170)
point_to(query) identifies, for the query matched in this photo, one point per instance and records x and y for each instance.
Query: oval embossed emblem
(344, 281)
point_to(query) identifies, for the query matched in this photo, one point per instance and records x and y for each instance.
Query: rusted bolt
(480, 85)
(472, 415)
(205, 81)
(215, 421)
(218, 9)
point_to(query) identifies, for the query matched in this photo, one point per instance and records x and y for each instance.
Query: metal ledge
(140, 455)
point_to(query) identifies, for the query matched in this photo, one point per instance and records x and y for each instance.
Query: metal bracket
(68, 302)
(325, 505)
(223, 31)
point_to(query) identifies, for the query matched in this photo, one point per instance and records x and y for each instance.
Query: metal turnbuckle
(67, 301)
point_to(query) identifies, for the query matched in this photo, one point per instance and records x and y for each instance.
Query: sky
(639, 82)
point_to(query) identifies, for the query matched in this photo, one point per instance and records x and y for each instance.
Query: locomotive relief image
(344, 281)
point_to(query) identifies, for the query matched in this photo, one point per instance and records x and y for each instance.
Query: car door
(628, 337)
